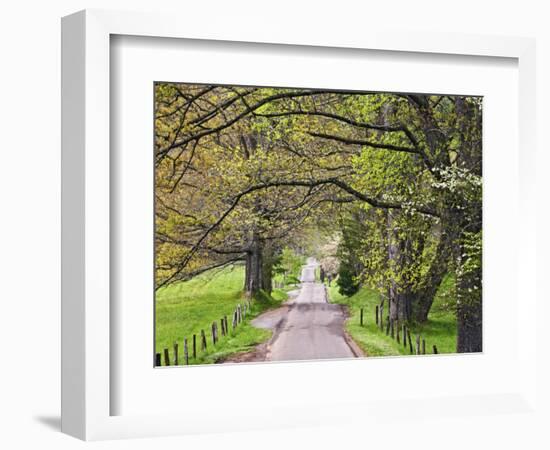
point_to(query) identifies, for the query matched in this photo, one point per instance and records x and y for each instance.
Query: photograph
(300, 224)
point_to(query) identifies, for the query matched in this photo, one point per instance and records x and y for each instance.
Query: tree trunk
(253, 270)
(259, 267)
(422, 300)
(469, 313)
(398, 300)
(400, 305)
(267, 268)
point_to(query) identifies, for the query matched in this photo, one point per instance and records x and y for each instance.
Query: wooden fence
(400, 332)
(215, 333)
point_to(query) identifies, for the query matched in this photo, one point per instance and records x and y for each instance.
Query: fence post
(166, 357)
(213, 333)
(376, 314)
(158, 362)
(397, 334)
(176, 359)
(435, 350)
(418, 344)
(387, 325)
(361, 320)
(404, 335)
(223, 326)
(423, 346)
(234, 320)
(186, 351)
(203, 340)
(194, 346)
(410, 341)
(392, 332)
(381, 317)
(226, 326)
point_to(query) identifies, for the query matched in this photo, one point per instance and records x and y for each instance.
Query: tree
(347, 280)
(289, 264)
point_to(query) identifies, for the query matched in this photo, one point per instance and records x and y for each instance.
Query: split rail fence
(198, 343)
(400, 332)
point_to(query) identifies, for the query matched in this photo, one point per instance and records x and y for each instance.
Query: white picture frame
(86, 220)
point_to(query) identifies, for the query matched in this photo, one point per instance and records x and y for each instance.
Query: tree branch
(364, 142)
(286, 95)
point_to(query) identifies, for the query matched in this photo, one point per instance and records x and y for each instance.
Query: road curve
(308, 327)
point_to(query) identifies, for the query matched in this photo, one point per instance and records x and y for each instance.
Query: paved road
(308, 327)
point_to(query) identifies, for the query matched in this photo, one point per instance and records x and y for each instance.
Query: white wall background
(30, 193)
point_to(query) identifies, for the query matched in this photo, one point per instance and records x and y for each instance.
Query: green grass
(186, 308)
(439, 330)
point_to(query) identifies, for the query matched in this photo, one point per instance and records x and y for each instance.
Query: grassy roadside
(439, 330)
(183, 309)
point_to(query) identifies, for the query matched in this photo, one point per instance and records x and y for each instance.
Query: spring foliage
(397, 176)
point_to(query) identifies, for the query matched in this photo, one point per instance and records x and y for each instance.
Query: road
(307, 327)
